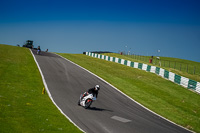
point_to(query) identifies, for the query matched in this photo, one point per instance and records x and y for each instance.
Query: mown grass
(170, 100)
(180, 64)
(23, 108)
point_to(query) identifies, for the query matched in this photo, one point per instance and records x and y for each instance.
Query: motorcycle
(38, 51)
(86, 101)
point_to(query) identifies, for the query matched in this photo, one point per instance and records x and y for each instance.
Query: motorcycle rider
(38, 50)
(93, 91)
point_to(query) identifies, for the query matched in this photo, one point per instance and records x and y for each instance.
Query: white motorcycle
(38, 51)
(86, 101)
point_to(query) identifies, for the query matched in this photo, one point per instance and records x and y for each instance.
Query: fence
(185, 82)
(184, 67)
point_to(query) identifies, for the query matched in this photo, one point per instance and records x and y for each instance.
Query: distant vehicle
(29, 44)
(38, 50)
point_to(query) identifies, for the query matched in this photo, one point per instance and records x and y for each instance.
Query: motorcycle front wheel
(88, 102)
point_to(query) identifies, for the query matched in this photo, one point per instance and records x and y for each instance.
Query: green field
(170, 100)
(23, 108)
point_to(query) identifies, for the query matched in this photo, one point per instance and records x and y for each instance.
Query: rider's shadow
(98, 109)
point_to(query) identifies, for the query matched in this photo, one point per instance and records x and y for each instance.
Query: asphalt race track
(112, 112)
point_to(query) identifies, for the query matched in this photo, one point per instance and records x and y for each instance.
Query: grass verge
(159, 95)
(23, 108)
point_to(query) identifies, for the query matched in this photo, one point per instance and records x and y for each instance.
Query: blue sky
(74, 26)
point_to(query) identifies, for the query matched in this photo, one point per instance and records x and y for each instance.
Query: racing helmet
(97, 87)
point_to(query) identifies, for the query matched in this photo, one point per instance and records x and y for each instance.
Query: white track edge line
(126, 95)
(44, 82)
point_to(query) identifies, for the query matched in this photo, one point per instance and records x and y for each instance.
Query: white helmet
(97, 87)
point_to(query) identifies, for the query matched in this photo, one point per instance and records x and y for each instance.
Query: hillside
(161, 96)
(23, 108)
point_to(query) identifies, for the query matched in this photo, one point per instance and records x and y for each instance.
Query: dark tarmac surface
(112, 112)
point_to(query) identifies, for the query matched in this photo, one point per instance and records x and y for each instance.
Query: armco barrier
(185, 82)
